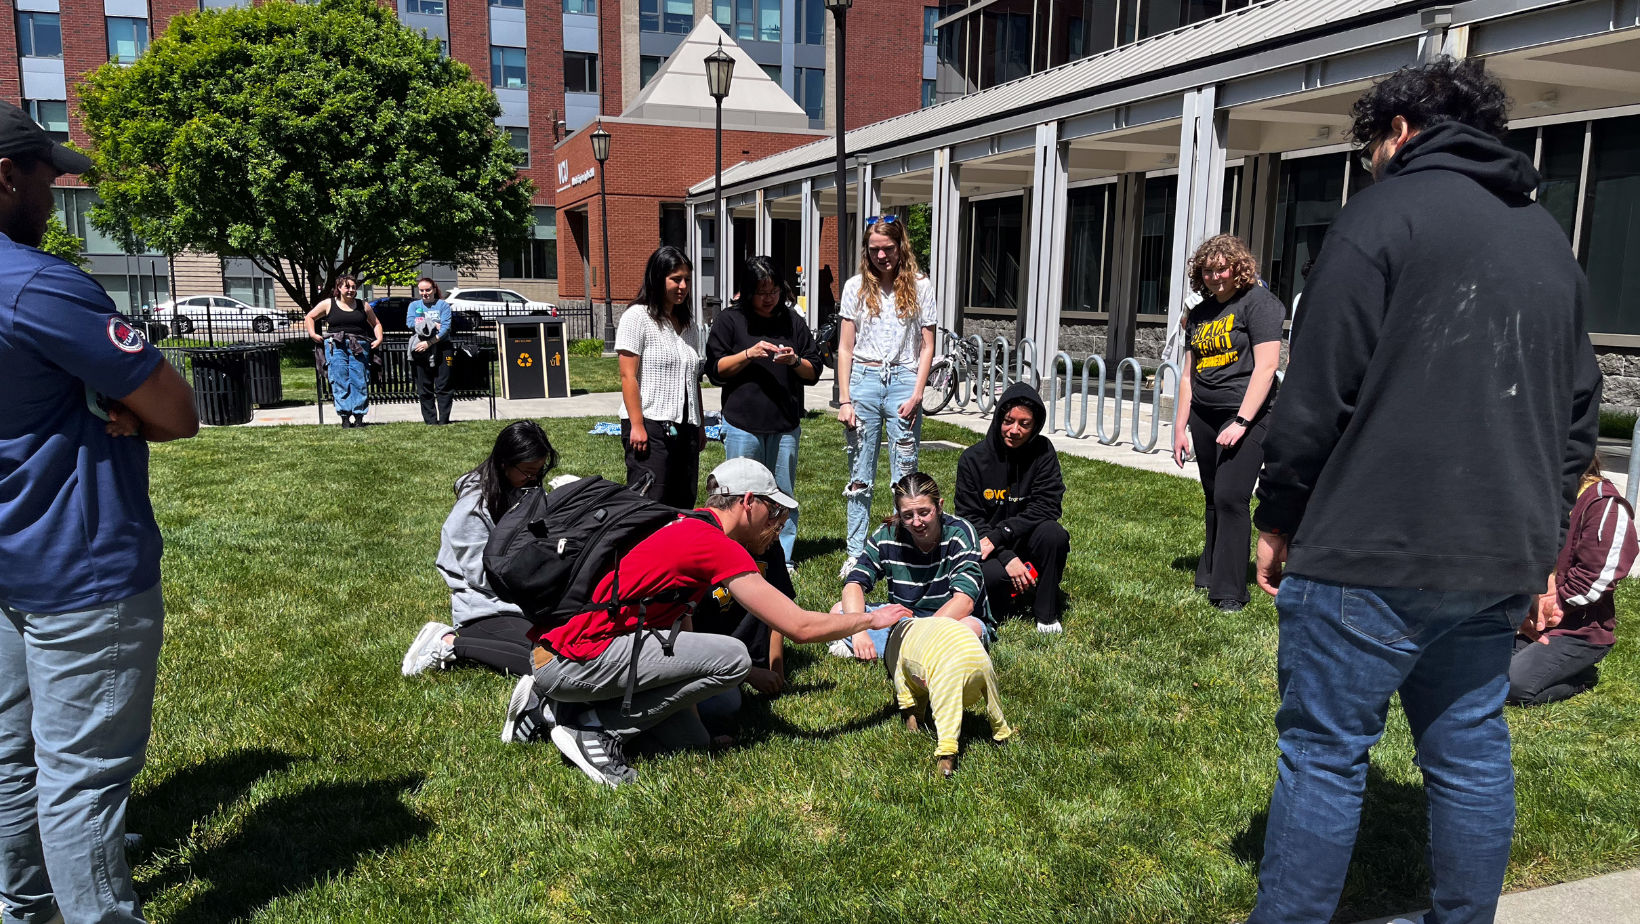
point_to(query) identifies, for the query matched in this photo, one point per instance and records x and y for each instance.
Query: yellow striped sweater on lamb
(940, 663)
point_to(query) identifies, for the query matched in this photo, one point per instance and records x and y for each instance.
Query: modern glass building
(1079, 152)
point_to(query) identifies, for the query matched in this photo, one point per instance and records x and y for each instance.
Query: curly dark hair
(1429, 94)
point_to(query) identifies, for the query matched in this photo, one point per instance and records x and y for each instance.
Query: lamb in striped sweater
(939, 663)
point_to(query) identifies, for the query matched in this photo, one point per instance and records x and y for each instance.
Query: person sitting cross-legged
(930, 562)
(1010, 487)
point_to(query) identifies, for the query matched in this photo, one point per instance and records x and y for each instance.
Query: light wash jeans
(1344, 651)
(349, 379)
(76, 703)
(877, 393)
(778, 453)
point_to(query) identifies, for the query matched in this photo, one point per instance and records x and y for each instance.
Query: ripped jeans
(876, 405)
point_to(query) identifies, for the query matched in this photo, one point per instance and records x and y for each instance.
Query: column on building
(1200, 198)
(1045, 276)
(945, 239)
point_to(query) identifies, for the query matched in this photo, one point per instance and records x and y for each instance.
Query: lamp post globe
(720, 73)
(600, 153)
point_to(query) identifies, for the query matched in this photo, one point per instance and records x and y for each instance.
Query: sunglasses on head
(885, 219)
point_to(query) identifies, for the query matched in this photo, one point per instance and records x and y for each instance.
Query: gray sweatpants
(699, 666)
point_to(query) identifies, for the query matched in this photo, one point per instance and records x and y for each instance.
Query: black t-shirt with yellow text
(1221, 337)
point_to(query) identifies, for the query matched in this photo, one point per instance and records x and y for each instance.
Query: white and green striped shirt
(925, 581)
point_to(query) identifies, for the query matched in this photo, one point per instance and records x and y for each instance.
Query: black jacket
(1442, 397)
(1007, 493)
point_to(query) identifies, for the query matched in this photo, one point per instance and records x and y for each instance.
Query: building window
(507, 68)
(749, 20)
(515, 4)
(648, 67)
(675, 17)
(1612, 226)
(814, 21)
(811, 92)
(1089, 212)
(127, 38)
(674, 225)
(533, 260)
(931, 15)
(580, 6)
(1309, 196)
(51, 115)
(723, 13)
(1008, 47)
(425, 7)
(768, 20)
(1561, 171)
(519, 138)
(928, 93)
(1156, 243)
(580, 72)
(773, 70)
(39, 35)
(998, 225)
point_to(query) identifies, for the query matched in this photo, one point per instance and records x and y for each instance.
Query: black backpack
(548, 553)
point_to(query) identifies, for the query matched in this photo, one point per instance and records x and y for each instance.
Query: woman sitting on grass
(1570, 628)
(486, 629)
(931, 562)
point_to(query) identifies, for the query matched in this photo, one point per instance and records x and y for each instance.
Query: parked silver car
(218, 313)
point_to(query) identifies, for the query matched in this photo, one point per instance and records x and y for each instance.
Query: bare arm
(762, 600)
(959, 607)
(163, 405)
(845, 368)
(375, 324)
(1181, 412)
(1266, 357)
(631, 365)
(320, 310)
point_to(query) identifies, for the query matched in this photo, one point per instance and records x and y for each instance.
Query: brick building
(555, 66)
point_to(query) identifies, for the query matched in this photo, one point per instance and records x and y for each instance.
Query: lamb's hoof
(947, 765)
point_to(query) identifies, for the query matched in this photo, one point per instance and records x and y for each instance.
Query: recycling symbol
(525, 361)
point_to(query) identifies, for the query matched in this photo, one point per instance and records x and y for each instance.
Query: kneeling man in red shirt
(582, 665)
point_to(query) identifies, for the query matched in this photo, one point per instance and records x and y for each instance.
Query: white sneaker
(428, 650)
(1050, 628)
(840, 649)
(848, 565)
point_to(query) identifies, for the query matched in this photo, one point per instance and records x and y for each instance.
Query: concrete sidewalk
(1610, 899)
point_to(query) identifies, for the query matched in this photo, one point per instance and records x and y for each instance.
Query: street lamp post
(720, 72)
(839, 14)
(600, 153)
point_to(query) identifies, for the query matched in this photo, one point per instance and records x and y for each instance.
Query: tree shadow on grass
(759, 723)
(1389, 873)
(283, 846)
(807, 549)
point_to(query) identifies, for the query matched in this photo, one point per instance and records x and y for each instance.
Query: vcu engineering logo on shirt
(1211, 344)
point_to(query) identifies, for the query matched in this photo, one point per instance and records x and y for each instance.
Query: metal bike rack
(1019, 364)
(1155, 406)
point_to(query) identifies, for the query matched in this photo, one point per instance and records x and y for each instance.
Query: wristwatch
(1243, 421)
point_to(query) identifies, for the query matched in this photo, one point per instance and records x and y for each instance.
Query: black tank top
(341, 320)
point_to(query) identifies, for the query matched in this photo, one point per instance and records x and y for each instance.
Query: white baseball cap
(741, 476)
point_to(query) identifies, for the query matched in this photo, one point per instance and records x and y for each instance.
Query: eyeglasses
(885, 219)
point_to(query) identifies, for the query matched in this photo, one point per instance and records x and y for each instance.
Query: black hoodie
(1006, 492)
(1442, 398)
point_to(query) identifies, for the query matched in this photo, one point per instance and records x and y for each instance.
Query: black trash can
(267, 382)
(222, 391)
(473, 368)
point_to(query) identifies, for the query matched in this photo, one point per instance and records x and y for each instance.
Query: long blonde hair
(905, 283)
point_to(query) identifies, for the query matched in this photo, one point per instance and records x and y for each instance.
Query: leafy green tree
(313, 140)
(59, 243)
(918, 229)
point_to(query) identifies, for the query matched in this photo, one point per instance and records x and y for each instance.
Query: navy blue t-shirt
(76, 528)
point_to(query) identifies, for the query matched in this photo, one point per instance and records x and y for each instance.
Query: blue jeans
(76, 703)
(349, 379)
(1344, 651)
(778, 453)
(876, 405)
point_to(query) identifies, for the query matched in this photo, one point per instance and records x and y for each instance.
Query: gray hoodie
(461, 561)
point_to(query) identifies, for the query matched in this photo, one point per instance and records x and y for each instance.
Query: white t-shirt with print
(886, 338)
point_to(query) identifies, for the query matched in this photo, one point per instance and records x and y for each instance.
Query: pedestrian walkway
(1610, 899)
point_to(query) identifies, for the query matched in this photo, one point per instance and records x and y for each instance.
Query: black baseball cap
(21, 135)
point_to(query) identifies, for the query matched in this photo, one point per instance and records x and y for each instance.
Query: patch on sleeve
(124, 336)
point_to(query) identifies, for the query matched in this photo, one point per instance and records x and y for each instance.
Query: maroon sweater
(1600, 550)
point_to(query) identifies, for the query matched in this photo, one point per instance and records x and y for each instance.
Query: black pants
(1228, 474)
(432, 368)
(501, 642)
(673, 461)
(1549, 673)
(1046, 547)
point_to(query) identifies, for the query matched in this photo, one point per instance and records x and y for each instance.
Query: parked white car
(488, 303)
(189, 314)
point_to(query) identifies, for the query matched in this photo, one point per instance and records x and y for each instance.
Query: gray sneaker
(429, 650)
(848, 566)
(528, 720)
(597, 753)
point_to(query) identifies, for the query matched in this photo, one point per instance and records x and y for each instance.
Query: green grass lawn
(295, 776)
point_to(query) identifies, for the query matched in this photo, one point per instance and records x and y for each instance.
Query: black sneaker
(596, 752)
(1229, 606)
(527, 721)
